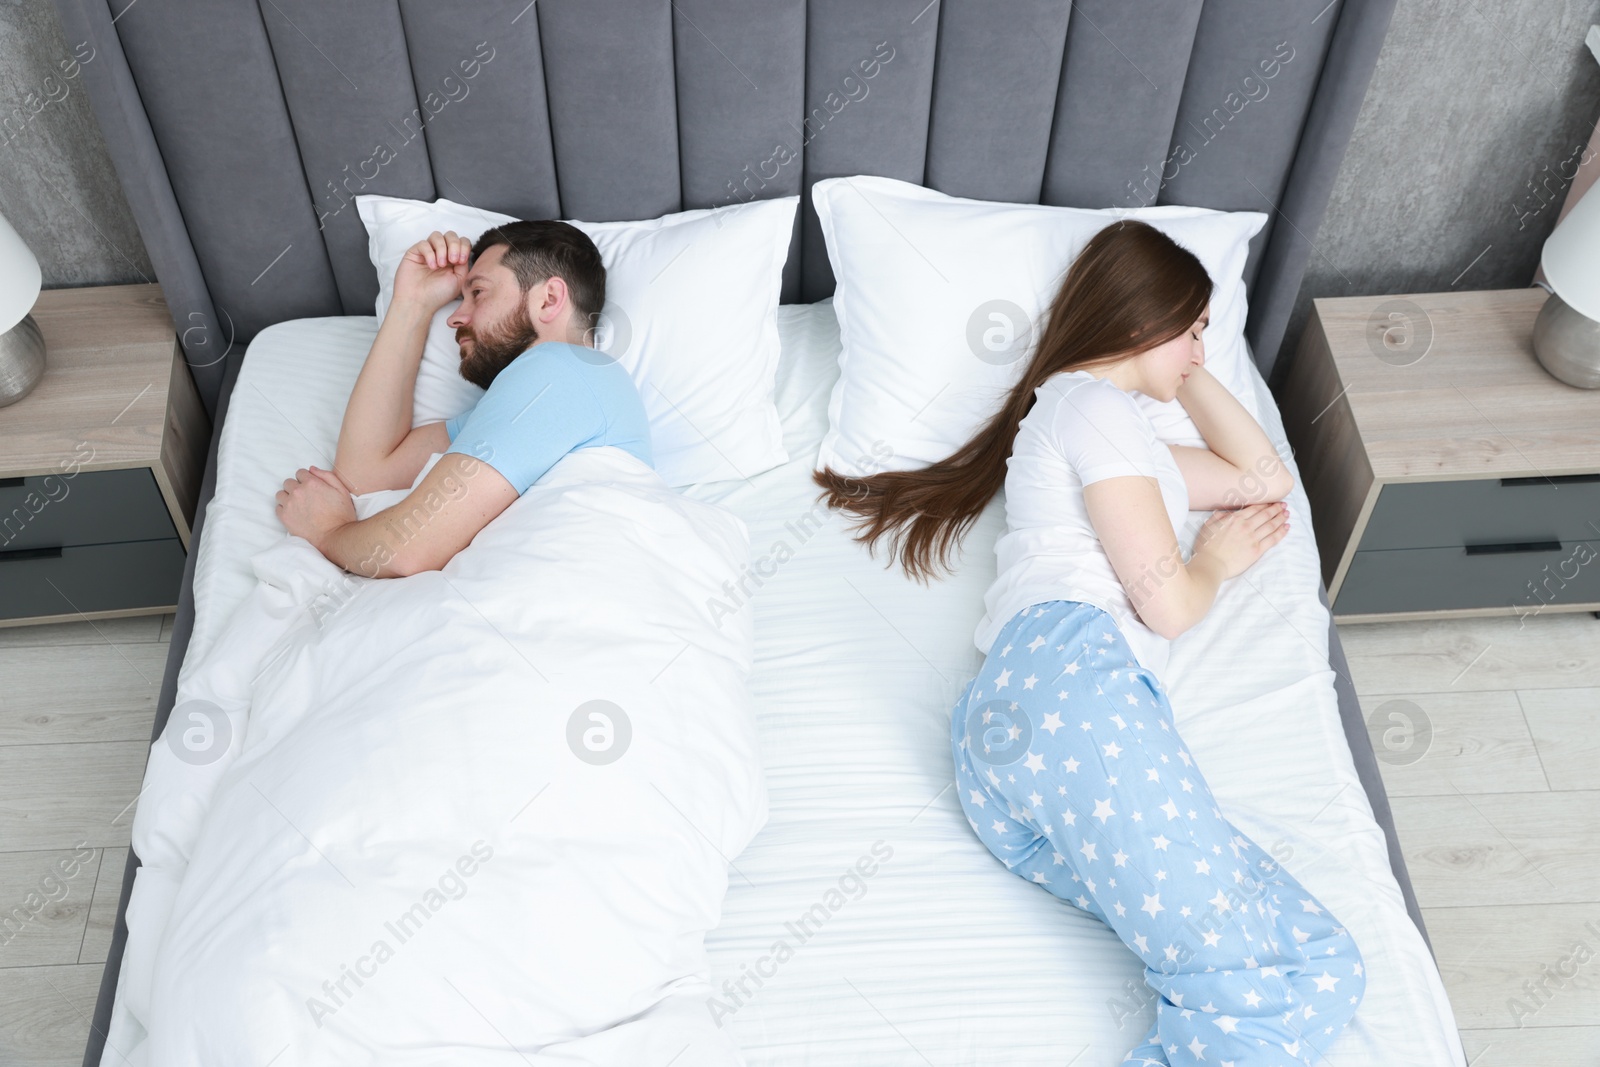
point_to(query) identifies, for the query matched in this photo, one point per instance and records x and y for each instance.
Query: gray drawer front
(136, 574)
(90, 508)
(1442, 579)
(1484, 511)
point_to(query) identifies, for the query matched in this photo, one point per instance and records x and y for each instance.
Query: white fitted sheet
(940, 956)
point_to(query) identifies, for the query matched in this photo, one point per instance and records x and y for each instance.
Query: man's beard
(494, 348)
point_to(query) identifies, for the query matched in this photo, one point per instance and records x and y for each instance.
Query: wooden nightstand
(1448, 473)
(100, 465)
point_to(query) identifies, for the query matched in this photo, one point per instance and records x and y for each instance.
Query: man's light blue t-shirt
(553, 399)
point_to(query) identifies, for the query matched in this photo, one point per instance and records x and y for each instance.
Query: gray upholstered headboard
(242, 129)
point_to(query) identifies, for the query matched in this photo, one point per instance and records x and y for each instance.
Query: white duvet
(477, 816)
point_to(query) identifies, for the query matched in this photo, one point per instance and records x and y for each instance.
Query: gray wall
(57, 186)
(1472, 103)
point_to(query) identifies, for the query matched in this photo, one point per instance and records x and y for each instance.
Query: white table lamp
(1566, 336)
(21, 343)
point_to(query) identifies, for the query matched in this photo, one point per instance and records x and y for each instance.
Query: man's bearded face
(486, 350)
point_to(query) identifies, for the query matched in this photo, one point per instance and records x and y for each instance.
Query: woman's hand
(1236, 539)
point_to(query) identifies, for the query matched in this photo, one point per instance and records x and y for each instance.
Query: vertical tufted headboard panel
(243, 129)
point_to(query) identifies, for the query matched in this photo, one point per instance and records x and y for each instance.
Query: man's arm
(423, 532)
(378, 448)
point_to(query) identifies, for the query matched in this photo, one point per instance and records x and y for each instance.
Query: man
(529, 291)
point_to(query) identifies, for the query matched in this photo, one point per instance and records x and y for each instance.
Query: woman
(1068, 764)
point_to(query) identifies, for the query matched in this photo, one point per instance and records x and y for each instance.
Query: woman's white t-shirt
(1081, 430)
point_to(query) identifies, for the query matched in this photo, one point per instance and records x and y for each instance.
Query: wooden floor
(1498, 818)
(76, 704)
(1486, 728)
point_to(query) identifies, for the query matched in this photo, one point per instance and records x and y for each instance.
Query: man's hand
(431, 271)
(313, 504)
(450, 505)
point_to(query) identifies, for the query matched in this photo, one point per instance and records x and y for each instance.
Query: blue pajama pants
(1071, 771)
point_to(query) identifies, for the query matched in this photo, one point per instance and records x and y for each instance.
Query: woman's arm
(1240, 467)
(1169, 595)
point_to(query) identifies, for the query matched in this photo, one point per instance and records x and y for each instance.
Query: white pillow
(940, 298)
(691, 306)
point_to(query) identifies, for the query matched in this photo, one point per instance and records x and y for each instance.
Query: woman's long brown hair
(1131, 289)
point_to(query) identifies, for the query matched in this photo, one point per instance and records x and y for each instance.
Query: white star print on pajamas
(1115, 818)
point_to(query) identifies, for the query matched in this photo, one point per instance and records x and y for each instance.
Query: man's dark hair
(545, 248)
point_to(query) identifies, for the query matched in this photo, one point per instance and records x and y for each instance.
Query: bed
(217, 155)
(920, 959)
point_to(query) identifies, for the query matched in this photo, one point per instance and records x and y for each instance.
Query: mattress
(866, 923)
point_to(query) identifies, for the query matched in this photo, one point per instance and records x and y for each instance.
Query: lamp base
(1567, 344)
(21, 360)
